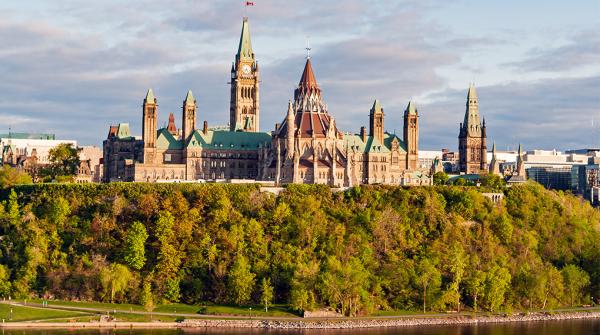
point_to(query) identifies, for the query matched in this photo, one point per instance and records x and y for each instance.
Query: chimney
(205, 127)
(363, 134)
(277, 125)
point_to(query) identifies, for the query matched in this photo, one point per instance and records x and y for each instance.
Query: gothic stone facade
(306, 148)
(472, 138)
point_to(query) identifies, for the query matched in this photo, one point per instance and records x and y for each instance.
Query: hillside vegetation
(359, 251)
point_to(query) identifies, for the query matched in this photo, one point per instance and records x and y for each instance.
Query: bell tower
(149, 120)
(376, 122)
(189, 116)
(244, 105)
(411, 136)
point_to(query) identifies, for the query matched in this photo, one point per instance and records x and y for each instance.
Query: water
(570, 327)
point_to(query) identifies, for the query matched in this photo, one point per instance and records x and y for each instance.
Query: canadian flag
(249, 3)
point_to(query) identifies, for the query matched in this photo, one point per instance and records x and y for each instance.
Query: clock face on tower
(246, 69)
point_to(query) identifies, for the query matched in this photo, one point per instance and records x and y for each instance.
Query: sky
(74, 67)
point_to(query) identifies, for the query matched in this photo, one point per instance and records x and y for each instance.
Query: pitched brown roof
(308, 76)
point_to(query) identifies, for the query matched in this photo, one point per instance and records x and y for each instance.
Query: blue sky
(75, 67)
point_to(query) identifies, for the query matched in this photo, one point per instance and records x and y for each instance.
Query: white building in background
(426, 158)
(18, 145)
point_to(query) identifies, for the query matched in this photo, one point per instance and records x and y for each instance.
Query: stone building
(472, 138)
(307, 147)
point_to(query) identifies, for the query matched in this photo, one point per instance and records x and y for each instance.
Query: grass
(257, 310)
(176, 308)
(24, 313)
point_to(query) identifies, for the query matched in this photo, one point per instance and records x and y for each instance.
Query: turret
(188, 120)
(411, 135)
(494, 164)
(376, 122)
(149, 120)
(291, 129)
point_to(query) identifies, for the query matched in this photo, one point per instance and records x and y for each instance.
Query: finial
(308, 48)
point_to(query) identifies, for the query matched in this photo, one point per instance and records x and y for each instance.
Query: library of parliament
(305, 147)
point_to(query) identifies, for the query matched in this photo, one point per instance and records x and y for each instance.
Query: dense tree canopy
(368, 248)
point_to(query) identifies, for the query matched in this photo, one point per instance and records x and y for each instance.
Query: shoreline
(308, 323)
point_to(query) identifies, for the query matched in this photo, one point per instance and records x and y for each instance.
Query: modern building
(307, 147)
(16, 148)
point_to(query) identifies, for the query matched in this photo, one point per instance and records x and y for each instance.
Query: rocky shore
(375, 323)
(316, 324)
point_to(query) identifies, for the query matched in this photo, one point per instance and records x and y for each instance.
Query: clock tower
(244, 104)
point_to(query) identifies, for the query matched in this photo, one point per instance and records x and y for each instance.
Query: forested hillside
(366, 249)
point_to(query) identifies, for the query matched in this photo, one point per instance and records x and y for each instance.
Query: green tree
(240, 280)
(427, 277)
(456, 266)
(475, 285)
(575, 282)
(115, 279)
(440, 178)
(147, 297)
(266, 295)
(64, 161)
(10, 177)
(497, 283)
(5, 285)
(135, 245)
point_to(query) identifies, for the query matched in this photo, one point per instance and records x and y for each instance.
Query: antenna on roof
(308, 48)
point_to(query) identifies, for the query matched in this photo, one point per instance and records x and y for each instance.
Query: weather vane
(308, 48)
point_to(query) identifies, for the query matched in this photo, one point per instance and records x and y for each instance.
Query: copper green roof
(150, 96)
(189, 98)
(29, 136)
(411, 109)
(123, 130)
(371, 145)
(245, 47)
(376, 109)
(229, 140)
(166, 140)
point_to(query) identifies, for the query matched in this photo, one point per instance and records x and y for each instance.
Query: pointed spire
(472, 95)
(308, 76)
(150, 96)
(520, 150)
(376, 109)
(494, 149)
(189, 98)
(411, 109)
(245, 47)
(290, 108)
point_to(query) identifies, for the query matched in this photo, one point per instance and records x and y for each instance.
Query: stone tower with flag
(244, 107)
(472, 138)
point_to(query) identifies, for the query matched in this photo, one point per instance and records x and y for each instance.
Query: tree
(146, 297)
(115, 279)
(575, 281)
(240, 280)
(64, 161)
(497, 282)
(440, 178)
(456, 266)
(475, 285)
(5, 285)
(266, 296)
(427, 276)
(10, 176)
(135, 246)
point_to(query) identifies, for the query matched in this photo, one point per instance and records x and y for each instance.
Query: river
(568, 327)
